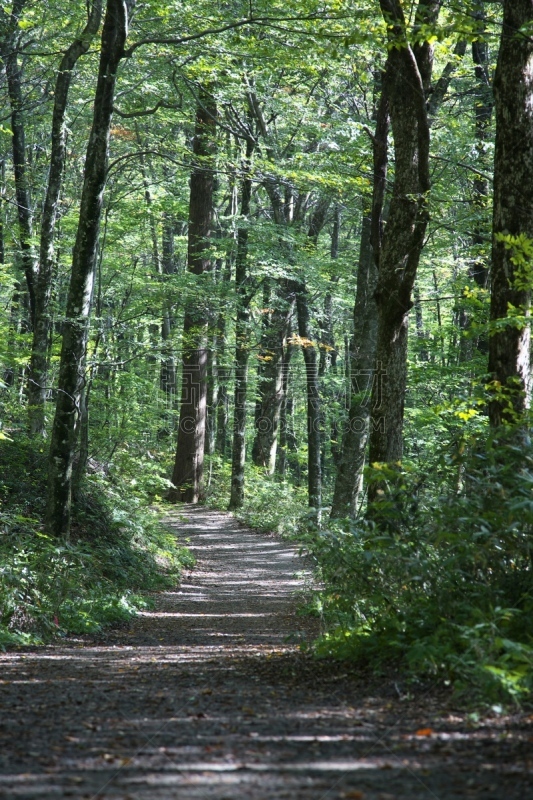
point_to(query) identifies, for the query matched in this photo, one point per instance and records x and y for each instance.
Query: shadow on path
(208, 696)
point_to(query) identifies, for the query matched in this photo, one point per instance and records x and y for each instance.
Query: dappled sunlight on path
(207, 696)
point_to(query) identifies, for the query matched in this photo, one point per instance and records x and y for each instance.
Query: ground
(210, 697)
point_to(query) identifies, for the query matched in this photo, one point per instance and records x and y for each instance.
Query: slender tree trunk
(37, 386)
(509, 344)
(221, 402)
(9, 53)
(363, 374)
(483, 105)
(187, 476)
(407, 79)
(211, 396)
(309, 351)
(2, 218)
(311, 360)
(479, 266)
(168, 361)
(278, 311)
(282, 453)
(76, 326)
(328, 353)
(242, 333)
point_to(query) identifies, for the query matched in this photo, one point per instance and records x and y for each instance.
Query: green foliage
(439, 579)
(521, 249)
(117, 552)
(270, 505)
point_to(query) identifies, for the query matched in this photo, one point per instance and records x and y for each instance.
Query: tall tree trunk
(222, 401)
(509, 344)
(309, 351)
(2, 219)
(278, 309)
(37, 388)
(168, 361)
(282, 453)
(76, 327)
(9, 52)
(483, 105)
(348, 481)
(311, 360)
(328, 353)
(478, 268)
(242, 333)
(187, 476)
(407, 80)
(211, 401)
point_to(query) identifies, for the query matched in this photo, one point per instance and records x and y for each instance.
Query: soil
(210, 696)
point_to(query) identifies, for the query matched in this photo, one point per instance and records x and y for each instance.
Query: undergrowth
(116, 553)
(439, 580)
(270, 504)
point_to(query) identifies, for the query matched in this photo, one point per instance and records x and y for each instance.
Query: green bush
(438, 579)
(117, 552)
(270, 505)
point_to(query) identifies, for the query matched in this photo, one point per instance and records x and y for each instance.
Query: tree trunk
(311, 360)
(407, 80)
(76, 326)
(211, 400)
(242, 332)
(2, 220)
(37, 388)
(282, 460)
(187, 476)
(168, 361)
(309, 351)
(328, 353)
(9, 53)
(509, 343)
(276, 325)
(348, 482)
(483, 105)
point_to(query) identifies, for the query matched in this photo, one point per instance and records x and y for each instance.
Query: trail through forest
(209, 696)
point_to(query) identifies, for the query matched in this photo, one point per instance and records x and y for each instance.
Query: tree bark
(407, 81)
(278, 309)
(37, 388)
(311, 361)
(9, 53)
(76, 326)
(168, 361)
(187, 476)
(309, 351)
(483, 105)
(348, 481)
(509, 343)
(242, 332)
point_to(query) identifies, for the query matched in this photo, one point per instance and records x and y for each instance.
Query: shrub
(439, 579)
(117, 552)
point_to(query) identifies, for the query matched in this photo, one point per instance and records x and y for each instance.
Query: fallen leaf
(424, 732)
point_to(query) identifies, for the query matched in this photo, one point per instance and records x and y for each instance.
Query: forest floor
(209, 696)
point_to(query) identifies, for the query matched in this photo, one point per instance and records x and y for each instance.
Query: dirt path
(209, 697)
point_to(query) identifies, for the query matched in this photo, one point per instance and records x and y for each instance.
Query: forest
(274, 258)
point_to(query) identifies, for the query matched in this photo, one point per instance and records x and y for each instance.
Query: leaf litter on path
(208, 696)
